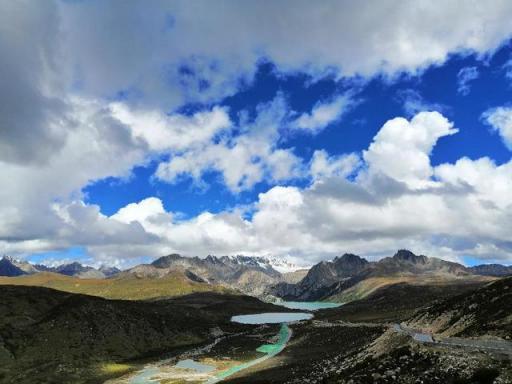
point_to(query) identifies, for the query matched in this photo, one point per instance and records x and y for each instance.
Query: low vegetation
(126, 287)
(50, 336)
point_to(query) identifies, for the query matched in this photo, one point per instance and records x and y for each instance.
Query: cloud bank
(89, 90)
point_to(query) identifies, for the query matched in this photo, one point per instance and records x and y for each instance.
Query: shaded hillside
(397, 302)
(49, 336)
(126, 287)
(486, 311)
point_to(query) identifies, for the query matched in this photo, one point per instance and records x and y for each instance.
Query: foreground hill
(486, 311)
(49, 336)
(128, 287)
(356, 343)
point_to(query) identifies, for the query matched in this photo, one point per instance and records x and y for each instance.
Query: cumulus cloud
(323, 114)
(464, 77)
(500, 119)
(463, 211)
(322, 165)
(401, 148)
(204, 60)
(243, 160)
(27, 84)
(173, 132)
(66, 63)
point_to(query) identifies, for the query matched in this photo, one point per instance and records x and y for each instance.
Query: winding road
(497, 346)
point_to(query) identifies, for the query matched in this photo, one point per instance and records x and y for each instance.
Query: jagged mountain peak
(166, 261)
(350, 258)
(408, 256)
(9, 268)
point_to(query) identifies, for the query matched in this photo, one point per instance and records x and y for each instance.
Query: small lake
(194, 365)
(308, 305)
(272, 318)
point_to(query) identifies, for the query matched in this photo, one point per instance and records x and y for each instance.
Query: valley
(175, 321)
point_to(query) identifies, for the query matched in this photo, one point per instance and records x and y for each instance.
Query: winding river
(154, 373)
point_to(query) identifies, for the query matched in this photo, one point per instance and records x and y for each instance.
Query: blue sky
(378, 101)
(319, 134)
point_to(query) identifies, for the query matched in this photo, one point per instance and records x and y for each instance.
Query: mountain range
(12, 267)
(247, 274)
(350, 276)
(343, 279)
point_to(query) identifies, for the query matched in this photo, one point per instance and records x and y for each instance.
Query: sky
(303, 130)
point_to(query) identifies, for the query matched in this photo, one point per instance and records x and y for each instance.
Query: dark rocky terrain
(483, 312)
(49, 336)
(356, 343)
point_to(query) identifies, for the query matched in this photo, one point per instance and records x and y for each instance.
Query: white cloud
(172, 132)
(242, 160)
(465, 76)
(141, 211)
(90, 52)
(401, 148)
(500, 119)
(322, 165)
(465, 212)
(323, 114)
(138, 47)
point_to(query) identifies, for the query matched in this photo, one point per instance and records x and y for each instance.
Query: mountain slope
(356, 277)
(248, 274)
(497, 270)
(321, 276)
(129, 287)
(9, 268)
(49, 336)
(486, 311)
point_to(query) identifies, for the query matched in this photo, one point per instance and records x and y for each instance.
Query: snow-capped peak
(280, 264)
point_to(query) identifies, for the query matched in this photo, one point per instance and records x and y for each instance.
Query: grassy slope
(50, 336)
(371, 285)
(127, 288)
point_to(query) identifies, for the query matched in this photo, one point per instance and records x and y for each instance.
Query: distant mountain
(497, 270)
(321, 276)
(78, 270)
(248, 274)
(109, 271)
(405, 262)
(330, 278)
(11, 267)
